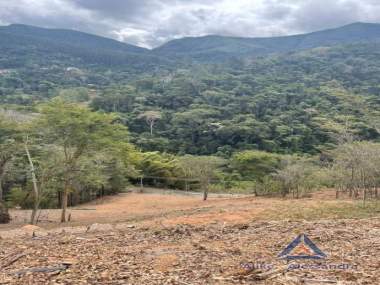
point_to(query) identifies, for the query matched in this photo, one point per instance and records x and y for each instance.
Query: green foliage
(254, 165)
(79, 94)
(75, 151)
(154, 164)
(203, 168)
(246, 123)
(18, 197)
(293, 103)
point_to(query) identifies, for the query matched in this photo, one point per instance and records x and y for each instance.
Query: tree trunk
(2, 174)
(337, 192)
(36, 201)
(4, 215)
(205, 191)
(141, 185)
(151, 128)
(64, 204)
(205, 194)
(1, 188)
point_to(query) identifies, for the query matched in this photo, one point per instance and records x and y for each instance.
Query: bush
(268, 187)
(18, 197)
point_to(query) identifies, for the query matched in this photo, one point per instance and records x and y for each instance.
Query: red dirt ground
(165, 209)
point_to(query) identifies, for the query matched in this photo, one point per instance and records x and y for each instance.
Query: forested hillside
(287, 104)
(254, 110)
(33, 49)
(220, 49)
(293, 102)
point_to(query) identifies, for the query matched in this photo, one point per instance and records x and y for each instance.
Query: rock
(124, 226)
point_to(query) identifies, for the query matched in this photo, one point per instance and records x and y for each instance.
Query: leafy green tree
(203, 168)
(78, 132)
(154, 164)
(254, 165)
(7, 151)
(7, 148)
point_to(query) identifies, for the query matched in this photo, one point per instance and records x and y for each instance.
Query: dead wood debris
(56, 269)
(12, 260)
(193, 255)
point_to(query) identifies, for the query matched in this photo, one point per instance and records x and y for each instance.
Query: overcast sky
(150, 23)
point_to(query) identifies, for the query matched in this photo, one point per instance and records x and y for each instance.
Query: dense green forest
(291, 103)
(85, 119)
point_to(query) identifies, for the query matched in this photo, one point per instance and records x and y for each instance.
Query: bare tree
(298, 176)
(151, 117)
(36, 196)
(356, 169)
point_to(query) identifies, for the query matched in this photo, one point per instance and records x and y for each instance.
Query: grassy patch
(325, 210)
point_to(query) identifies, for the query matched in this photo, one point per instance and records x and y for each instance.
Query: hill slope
(21, 43)
(212, 48)
(297, 102)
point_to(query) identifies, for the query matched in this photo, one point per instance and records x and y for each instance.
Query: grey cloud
(152, 22)
(322, 14)
(128, 10)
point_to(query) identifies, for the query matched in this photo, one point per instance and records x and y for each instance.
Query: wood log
(13, 260)
(57, 268)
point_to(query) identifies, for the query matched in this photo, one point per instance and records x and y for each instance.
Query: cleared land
(176, 239)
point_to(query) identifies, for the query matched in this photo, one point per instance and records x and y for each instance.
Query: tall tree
(7, 151)
(151, 117)
(201, 167)
(78, 132)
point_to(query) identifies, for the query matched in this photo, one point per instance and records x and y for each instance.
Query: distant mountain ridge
(65, 36)
(92, 49)
(209, 47)
(34, 42)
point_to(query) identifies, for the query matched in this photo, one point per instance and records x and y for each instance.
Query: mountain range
(94, 49)
(208, 95)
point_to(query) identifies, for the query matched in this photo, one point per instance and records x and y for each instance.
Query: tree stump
(4, 215)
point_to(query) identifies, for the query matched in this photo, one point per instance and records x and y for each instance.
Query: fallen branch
(319, 281)
(13, 260)
(83, 209)
(58, 268)
(300, 280)
(269, 274)
(220, 278)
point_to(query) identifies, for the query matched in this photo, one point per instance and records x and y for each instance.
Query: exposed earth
(176, 239)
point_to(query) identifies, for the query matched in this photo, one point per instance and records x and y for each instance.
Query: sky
(150, 23)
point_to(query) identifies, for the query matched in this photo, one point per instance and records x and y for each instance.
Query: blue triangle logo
(302, 248)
